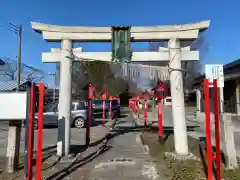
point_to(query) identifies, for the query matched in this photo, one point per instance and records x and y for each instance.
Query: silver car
(50, 115)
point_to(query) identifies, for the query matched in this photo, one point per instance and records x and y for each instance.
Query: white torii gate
(172, 55)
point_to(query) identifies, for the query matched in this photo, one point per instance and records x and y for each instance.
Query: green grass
(231, 174)
(169, 167)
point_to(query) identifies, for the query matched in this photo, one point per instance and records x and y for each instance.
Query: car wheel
(79, 122)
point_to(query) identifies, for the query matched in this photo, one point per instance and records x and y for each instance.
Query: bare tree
(191, 69)
(79, 76)
(8, 71)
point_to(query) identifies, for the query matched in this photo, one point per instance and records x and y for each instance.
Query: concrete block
(227, 133)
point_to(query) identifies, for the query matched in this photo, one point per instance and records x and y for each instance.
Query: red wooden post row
(134, 105)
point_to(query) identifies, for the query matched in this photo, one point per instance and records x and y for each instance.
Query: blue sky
(222, 38)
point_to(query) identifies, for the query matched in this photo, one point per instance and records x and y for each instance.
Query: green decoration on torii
(121, 44)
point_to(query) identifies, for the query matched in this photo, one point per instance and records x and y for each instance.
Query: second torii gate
(171, 55)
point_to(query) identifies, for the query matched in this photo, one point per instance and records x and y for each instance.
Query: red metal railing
(31, 132)
(210, 156)
(160, 123)
(40, 129)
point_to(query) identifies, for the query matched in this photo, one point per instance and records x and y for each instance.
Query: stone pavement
(126, 159)
(51, 166)
(120, 157)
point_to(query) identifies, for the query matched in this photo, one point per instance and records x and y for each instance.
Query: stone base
(190, 156)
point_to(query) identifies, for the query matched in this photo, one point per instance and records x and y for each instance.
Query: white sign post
(215, 71)
(13, 106)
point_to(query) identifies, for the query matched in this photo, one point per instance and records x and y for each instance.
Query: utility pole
(19, 57)
(14, 131)
(54, 89)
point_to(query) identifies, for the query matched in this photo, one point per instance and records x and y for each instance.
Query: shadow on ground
(116, 131)
(204, 158)
(78, 163)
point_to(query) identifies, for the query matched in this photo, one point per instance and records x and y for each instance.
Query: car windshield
(80, 105)
(168, 100)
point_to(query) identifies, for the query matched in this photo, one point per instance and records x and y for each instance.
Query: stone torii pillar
(177, 94)
(178, 108)
(173, 55)
(65, 101)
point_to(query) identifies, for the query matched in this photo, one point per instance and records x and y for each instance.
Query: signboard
(214, 71)
(13, 106)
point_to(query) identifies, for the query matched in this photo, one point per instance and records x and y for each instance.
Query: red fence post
(208, 128)
(110, 109)
(103, 110)
(145, 112)
(160, 129)
(89, 119)
(31, 132)
(138, 108)
(104, 98)
(134, 106)
(89, 113)
(217, 130)
(40, 128)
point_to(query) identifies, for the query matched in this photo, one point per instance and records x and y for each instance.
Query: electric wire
(9, 26)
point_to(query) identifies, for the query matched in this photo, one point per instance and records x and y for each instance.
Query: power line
(9, 26)
(9, 23)
(9, 29)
